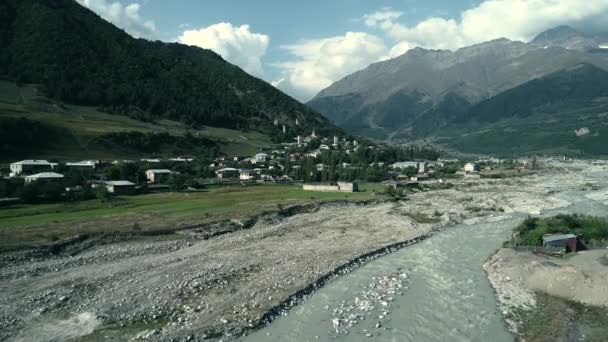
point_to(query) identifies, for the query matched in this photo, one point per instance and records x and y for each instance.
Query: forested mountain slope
(79, 58)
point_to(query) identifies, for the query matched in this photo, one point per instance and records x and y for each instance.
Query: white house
(44, 176)
(157, 176)
(422, 166)
(227, 172)
(324, 147)
(29, 167)
(469, 167)
(246, 175)
(320, 167)
(260, 158)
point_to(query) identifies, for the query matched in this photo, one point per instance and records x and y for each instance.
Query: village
(317, 163)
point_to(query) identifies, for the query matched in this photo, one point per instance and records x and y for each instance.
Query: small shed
(567, 241)
(121, 187)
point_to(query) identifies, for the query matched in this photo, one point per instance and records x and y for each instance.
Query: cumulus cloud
(320, 62)
(126, 17)
(238, 45)
(492, 19)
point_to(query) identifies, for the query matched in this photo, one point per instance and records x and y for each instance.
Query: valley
(193, 284)
(303, 171)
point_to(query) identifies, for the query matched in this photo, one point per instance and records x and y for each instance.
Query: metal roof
(119, 183)
(557, 237)
(82, 163)
(45, 175)
(159, 171)
(32, 162)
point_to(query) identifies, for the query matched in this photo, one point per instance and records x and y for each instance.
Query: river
(449, 297)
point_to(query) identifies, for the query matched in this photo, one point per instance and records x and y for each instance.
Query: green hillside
(32, 126)
(565, 112)
(78, 58)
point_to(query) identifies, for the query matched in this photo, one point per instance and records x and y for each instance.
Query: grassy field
(30, 225)
(86, 124)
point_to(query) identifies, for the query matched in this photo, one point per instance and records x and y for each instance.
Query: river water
(449, 297)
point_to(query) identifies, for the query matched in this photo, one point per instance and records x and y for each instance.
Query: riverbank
(188, 284)
(185, 285)
(545, 298)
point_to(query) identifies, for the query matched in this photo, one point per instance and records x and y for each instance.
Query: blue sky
(303, 46)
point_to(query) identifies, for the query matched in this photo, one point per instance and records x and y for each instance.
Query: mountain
(564, 112)
(76, 57)
(566, 37)
(423, 90)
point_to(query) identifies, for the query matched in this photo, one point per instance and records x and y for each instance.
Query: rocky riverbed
(193, 286)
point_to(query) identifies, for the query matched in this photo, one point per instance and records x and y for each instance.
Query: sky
(302, 47)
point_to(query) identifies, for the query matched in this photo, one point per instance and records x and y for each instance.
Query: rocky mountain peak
(566, 37)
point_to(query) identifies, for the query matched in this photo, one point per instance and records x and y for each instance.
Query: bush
(587, 228)
(102, 193)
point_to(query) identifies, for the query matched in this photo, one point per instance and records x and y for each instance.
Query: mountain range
(441, 95)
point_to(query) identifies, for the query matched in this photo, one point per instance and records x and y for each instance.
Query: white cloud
(126, 17)
(383, 18)
(492, 19)
(238, 45)
(318, 63)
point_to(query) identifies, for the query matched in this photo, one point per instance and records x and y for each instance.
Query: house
(246, 175)
(260, 158)
(121, 187)
(151, 161)
(470, 167)
(405, 165)
(158, 176)
(227, 172)
(422, 167)
(30, 167)
(48, 177)
(182, 159)
(117, 162)
(85, 164)
(323, 147)
(568, 241)
(320, 167)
